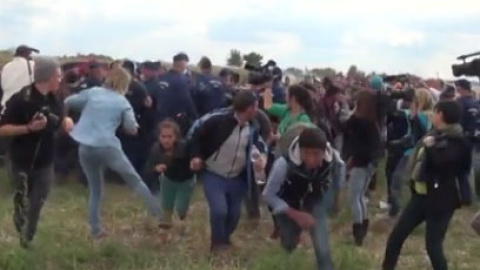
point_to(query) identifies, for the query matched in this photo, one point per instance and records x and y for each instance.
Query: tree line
(236, 59)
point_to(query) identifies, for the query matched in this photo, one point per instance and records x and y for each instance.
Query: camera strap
(30, 72)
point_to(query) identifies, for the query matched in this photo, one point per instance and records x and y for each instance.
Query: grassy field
(63, 241)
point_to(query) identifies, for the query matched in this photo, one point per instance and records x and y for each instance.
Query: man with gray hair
(31, 118)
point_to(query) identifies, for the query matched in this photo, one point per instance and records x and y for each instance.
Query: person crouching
(169, 162)
(295, 191)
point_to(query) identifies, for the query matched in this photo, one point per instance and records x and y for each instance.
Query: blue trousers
(93, 161)
(290, 233)
(224, 197)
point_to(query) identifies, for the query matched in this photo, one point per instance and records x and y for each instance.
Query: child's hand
(160, 168)
(196, 164)
(261, 163)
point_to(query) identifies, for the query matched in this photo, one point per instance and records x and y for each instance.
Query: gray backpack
(289, 136)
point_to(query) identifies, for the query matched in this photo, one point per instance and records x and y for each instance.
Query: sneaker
(275, 234)
(99, 236)
(24, 242)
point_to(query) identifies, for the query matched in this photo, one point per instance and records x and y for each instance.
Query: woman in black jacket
(362, 144)
(437, 173)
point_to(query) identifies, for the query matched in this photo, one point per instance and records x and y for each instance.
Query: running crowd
(296, 146)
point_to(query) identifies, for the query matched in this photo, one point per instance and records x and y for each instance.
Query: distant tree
(235, 58)
(294, 71)
(253, 58)
(323, 72)
(5, 56)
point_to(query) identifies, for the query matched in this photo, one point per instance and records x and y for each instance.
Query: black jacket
(34, 150)
(303, 188)
(178, 166)
(447, 166)
(210, 132)
(362, 141)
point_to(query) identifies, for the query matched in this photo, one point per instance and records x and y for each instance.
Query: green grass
(63, 242)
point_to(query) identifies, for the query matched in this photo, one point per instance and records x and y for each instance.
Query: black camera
(407, 95)
(52, 119)
(471, 68)
(261, 74)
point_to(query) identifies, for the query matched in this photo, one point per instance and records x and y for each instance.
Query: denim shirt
(102, 112)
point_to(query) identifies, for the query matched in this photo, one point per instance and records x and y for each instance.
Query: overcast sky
(418, 36)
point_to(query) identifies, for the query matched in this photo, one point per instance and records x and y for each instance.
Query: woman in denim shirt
(103, 110)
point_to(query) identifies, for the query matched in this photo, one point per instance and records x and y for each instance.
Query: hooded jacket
(290, 184)
(439, 169)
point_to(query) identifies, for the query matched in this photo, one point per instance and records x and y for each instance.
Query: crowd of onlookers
(298, 147)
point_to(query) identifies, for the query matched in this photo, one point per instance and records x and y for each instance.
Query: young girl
(170, 161)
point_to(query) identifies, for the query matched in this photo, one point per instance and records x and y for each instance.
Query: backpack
(289, 136)
(197, 124)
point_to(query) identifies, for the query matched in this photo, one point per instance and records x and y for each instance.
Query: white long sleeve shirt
(15, 76)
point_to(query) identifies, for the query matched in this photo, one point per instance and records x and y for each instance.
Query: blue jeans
(93, 161)
(358, 184)
(290, 233)
(224, 197)
(396, 186)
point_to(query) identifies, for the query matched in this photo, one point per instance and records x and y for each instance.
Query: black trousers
(414, 214)
(31, 190)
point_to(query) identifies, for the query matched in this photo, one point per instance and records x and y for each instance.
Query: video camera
(471, 68)
(52, 119)
(407, 94)
(262, 74)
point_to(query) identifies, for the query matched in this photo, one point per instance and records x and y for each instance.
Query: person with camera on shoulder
(31, 119)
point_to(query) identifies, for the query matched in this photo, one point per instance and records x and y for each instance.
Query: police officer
(209, 93)
(135, 147)
(175, 100)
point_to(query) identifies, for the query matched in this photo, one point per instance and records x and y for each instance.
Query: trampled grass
(63, 241)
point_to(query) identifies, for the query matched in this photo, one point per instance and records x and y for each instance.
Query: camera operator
(31, 118)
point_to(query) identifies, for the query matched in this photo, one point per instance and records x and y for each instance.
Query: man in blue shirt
(175, 100)
(209, 93)
(149, 71)
(470, 110)
(470, 107)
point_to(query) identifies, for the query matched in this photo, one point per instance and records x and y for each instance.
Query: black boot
(365, 225)
(358, 233)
